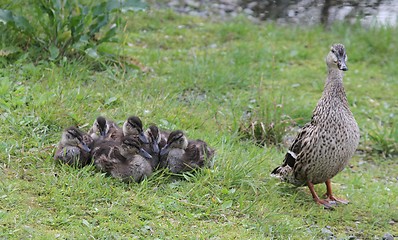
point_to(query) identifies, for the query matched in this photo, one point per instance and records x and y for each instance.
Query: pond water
(303, 12)
(309, 12)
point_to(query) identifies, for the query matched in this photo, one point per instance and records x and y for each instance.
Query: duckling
(122, 160)
(186, 155)
(73, 148)
(325, 145)
(156, 140)
(106, 129)
(133, 127)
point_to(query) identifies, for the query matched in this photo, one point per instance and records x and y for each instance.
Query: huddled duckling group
(130, 153)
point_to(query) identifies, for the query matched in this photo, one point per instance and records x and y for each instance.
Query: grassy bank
(202, 77)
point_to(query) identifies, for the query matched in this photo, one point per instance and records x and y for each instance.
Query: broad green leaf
(19, 22)
(110, 35)
(23, 24)
(226, 204)
(110, 100)
(54, 52)
(6, 16)
(92, 53)
(99, 9)
(100, 22)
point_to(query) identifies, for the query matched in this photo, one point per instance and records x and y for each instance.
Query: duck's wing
(115, 134)
(295, 149)
(103, 154)
(198, 154)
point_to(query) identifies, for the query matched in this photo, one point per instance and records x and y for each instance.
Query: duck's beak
(145, 153)
(102, 133)
(84, 147)
(164, 150)
(342, 65)
(155, 147)
(143, 138)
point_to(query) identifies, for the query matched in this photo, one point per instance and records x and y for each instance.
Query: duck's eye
(71, 134)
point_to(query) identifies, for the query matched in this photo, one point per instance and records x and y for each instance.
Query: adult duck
(325, 145)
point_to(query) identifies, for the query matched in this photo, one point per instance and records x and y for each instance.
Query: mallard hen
(325, 145)
(185, 155)
(122, 160)
(73, 148)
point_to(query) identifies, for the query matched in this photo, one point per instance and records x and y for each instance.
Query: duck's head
(131, 146)
(337, 57)
(177, 139)
(101, 126)
(73, 137)
(153, 135)
(133, 126)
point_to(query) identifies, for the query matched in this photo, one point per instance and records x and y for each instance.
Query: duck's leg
(319, 201)
(329, 194)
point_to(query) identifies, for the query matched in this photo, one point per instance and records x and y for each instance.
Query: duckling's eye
(71, 134)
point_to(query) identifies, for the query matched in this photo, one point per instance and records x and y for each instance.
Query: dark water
(310, 12)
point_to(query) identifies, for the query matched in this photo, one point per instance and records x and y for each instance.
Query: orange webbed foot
(337, 200)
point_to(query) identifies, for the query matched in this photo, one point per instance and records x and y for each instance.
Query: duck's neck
(334, 85)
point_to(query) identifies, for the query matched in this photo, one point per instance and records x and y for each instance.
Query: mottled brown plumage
(122, 160)
(73, 148)
(324, 146)
(185, 155)
(157, 139)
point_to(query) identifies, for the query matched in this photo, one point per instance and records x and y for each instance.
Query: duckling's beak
(155, 147)
(143, 138)
(342, 65)
(84, 147)
(145, 153)
(164, 150)
(102, 133)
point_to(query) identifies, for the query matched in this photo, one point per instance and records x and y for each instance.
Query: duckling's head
(133, 126)
(100, 125)
(131, 146)
(337, 57)
(177, 139)
(73, 137)
(153, 135)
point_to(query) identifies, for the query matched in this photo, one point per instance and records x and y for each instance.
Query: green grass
(205, 76)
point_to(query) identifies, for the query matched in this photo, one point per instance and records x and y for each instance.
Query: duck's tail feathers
(281, 172)
(276, 171)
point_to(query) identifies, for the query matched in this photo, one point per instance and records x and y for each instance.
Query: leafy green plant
(384, 139)
(266, 125)
(65, 28)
